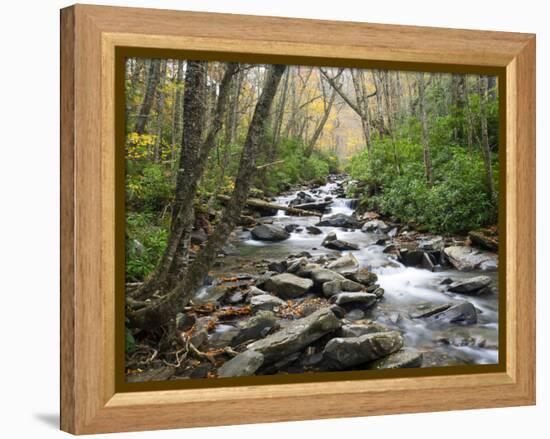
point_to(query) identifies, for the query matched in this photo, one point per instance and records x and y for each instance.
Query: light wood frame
(89, 36)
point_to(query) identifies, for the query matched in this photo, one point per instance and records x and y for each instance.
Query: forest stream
(409, 298)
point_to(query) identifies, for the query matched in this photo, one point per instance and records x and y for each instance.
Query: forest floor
(338, 290)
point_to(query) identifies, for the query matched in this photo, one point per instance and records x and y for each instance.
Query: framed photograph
(292, 219)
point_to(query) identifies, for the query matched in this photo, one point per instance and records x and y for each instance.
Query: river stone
(462, 314)
(244, 364)
(288, 286)
(346, 262)
(255, 291)
(434, 244)
(266, 302)
(428, 310)
(375, 225)
(255, 327)
(378, 292)
(405, 358)
(314, 230)
(330, 237)
(469, 258)
(278, 266)
(221, 339)
(338, 244)
(339, 220)
(363, 276)
(337, 286)
(366, 299)
(355, 314)
(474, 286)
(295, 265)
(342, 353)
(269, 232)
(322, 275)
(297, 335)
(356, 329)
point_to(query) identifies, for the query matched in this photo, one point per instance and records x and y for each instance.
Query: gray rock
(244, 364)
(435, 244)
(338, 244)
(295, 265)
(411, 258)
(277, 266)
(377, 226)
(255, 327)
(356, 330)
(462, 314)
(221, 339)
(269, 232)
(379, 292)
(473, 286)
(255, 291)
(330, 237)
(266, 302)
(288, 286)
(428, 310)
(405, 358)
(342, 353)
(366, 299)
(209, 294)
(469, 258)
(344, 263)
(337, 286)
(363, 276)
(314, 230)
(297, 335)
(322, 275)
(339, 220)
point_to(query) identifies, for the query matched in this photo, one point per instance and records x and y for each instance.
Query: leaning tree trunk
(193, 158)
(152, 82)
(165, 309)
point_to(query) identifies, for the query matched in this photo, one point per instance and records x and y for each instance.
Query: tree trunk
(177, 120)
(424, 123)
(485, 148)
(321, 125)
(193, 158)
(145, 110)
(160, 108)
(166, 309)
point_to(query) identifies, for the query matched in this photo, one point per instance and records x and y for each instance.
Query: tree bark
(166, 308)
(193, 158)
(145, 110)
(177, 120)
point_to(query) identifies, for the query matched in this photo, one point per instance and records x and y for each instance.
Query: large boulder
(297, 335)
(474, 286)
(288, 286)
(363, 276)
(336, 286)
(461, 314)
(365, 299)
(244, 364)
(266, 302)
(347, 262)
(469, 258)
(322, 275)
(375, 226)
(255, 327)
(405, 358)
(356, 329)
(343, 353)
(269, 232)
(339, 220)
(338, 244)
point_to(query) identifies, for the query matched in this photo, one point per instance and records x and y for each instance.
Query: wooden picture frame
(91, 400)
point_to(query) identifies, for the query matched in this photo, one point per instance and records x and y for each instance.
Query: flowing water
(406, 288)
